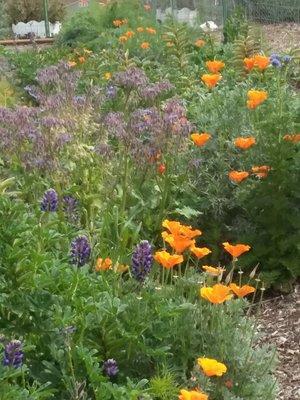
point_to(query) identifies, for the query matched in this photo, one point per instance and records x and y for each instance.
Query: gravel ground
(281, 38)
(280, 324)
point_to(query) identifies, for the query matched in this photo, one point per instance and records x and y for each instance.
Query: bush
(32, 10)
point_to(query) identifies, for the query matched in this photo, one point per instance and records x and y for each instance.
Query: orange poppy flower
(117, 22)
(214, 66)
(213, 271)
(103, 265)
(152, 31)
(176, 228)
(200, 138)
(262, 171)
(244, 142)
(192, 395)
(241, 291)
(81, 59)
(199, 43)
(211, 80)
(292, 138)
(123, 39)
(72, 64)
(200, 252)
(255, 98)
(238, 176)
(161, 169)
(140, 29)
(211, 367)
(167, 260)
(261, 62)
(107, 76)
(129, 34)
(178, 242)
(145, 45)
(216, 294)
(236, 250)
(249, 63)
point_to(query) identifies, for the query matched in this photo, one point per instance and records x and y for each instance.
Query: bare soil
(282, 37)
(280, 324)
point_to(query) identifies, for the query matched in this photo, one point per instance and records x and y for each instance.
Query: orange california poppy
(140, 29)
(81, 59)
(199, 43)
(214, 66)
(211, 80)
(145, 45)
(103, 265)
(236, 250)
(238, 176)
(213, 271)
(244, 142)
(292, 138)
(211, 367)
(261, 62)
(129, 34)
(216, 294)
(192, 395)
(123, 39)
(168, 260)
(117, 22)
(200, 252)
(255, 98)
(200, 138)
(72, 64)
(152, 31)
(241, 291)
(262, 171)
(249, 63)
(176, 228)
(161, 169)
(178, 242)
(107, 76)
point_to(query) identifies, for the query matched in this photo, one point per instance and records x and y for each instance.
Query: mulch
(279, 322)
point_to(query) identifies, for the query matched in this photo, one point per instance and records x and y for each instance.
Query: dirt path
(280, 324)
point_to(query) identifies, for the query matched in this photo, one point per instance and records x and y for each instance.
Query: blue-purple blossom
(111, 92)
(70, 207)
(49, 201)
(142, 260)
(276, 62)
(13, 354)
(110, 367)
(151, 91)
(286, 59)
(132, 78)
(80, 251)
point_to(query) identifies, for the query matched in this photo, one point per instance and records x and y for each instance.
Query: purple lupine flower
(49, 201)
(110, 367)
(142, 260)
(13, 354)
(70, 207)
(132, 78)
(80, 251)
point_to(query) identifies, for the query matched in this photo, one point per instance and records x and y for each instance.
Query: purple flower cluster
(80, 251)
(142, 261)
(13, 354)
(277, 60)
(132, 78)
(153, 90)
(70, 207)
(110, 367)
(49, 201)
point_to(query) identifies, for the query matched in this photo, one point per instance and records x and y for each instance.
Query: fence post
(225, 11)
(47, 28)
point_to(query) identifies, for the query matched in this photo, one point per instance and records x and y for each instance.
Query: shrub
(32, 10)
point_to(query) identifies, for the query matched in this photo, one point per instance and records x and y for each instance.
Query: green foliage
(7, 93)
(4, 21)
(235, 25)
(32, 10)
